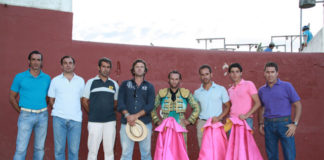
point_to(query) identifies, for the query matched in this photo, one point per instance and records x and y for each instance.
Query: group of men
(135, 99)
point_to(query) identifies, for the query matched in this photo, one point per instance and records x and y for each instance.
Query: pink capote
(241, 144)
(170, 144)
(214, 141)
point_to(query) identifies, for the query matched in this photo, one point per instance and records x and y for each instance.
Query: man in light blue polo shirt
(65, 94)
(31, 86)
(211, 98)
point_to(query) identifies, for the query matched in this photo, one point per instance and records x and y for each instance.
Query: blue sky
(178, 23)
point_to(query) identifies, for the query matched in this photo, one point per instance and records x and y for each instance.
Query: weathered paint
(25, 29)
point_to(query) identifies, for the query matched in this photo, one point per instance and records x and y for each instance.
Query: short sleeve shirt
(278, 99)
(32, 90)
(211, 101)
(67, 96)
(241, 97)
(101, 96)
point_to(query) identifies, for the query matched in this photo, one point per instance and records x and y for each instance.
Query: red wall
(25, 29)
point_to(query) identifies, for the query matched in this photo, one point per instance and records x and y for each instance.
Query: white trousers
(98, 132)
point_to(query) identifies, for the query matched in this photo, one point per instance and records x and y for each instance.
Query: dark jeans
(275, 131)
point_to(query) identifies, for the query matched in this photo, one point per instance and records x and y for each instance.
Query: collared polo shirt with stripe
(211, 101)
(241, 97)
(67, 94)
(32, 90)
(101, 96)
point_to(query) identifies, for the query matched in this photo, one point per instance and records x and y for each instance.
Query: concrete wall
(316, 44)
(25, 29)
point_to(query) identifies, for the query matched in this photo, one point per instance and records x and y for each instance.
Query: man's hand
(261, 129)
(131, 119)
(216, 119)
(243, 117)
(291, 130)
(185, 122)
(158, 123)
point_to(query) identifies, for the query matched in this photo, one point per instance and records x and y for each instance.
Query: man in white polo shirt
(65, 94)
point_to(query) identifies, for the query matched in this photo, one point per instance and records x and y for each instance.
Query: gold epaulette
(184, 92)
(163, 92)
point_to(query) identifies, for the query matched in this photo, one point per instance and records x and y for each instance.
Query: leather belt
(280, 119)
(34, 111)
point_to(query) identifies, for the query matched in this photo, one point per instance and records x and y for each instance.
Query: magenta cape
(170, 144)
(214, 142)
(241, 144)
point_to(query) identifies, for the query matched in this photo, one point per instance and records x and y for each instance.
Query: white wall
(316, 44)
(58, 5)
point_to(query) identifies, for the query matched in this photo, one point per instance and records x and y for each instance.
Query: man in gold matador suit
(174, 102)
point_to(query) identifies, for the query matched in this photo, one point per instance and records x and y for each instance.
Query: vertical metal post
(301, 23)
(291, 43)
(206, 44)
(225, 43)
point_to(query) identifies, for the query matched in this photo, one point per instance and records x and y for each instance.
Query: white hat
(137, 132)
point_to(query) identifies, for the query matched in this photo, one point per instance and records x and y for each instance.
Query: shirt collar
(97, 77)
(133, 81)
(62, 75)
(39, 75)
(277, 83)
(240, 83)
(212, 86)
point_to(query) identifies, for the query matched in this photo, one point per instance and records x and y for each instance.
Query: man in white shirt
(65, 94)
(211, 98)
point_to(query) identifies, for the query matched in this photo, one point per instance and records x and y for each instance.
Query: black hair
(35, 52)
(104, 59)
(271, 64)
(175, 72)
(138, 61)
(203, 67)
(235, 65)
(62, 59)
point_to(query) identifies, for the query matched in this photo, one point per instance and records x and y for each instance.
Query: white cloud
(177, 23)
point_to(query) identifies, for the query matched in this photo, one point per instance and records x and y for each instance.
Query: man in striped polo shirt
(99, 100)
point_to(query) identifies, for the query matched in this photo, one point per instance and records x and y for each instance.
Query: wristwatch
(127, 114)
(295, 123)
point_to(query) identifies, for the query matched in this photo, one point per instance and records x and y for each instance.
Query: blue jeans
(128, 144)
(66, 129)
(275, 131)
(27, 122)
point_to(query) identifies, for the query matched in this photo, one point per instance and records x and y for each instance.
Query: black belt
(280, 119)
(203, 119)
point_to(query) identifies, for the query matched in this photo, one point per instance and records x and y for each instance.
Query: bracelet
(127, 114)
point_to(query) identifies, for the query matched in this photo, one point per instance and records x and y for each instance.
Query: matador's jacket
(177, 108)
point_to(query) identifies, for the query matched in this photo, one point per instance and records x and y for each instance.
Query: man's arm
(292, 127)
(256, 106)
(85, 104)
(196, 109)
(13, 100)
(154, 114)
(224, 113)
(261, 120)
(115, 104)
(51, 102)
(131, 118)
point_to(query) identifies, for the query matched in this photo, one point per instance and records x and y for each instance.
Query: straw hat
(137, 132)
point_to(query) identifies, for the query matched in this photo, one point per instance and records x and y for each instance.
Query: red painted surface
(25, 29)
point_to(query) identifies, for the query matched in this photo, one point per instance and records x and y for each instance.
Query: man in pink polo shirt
(243, 95)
